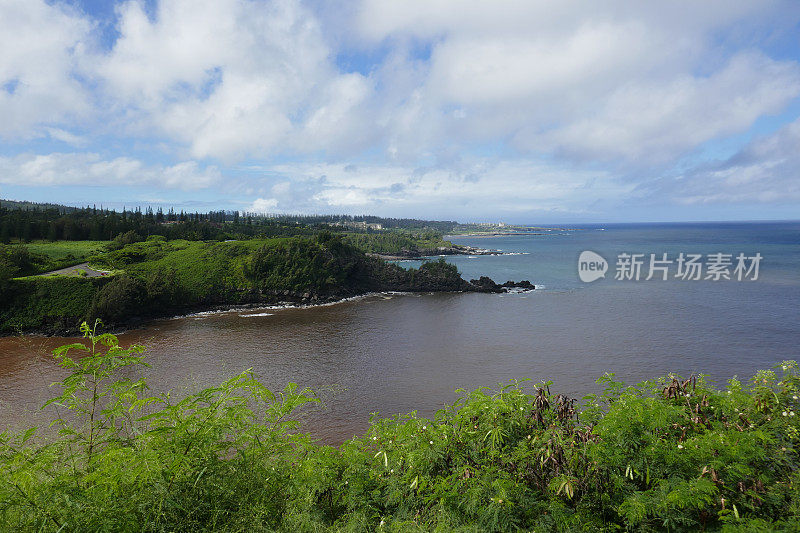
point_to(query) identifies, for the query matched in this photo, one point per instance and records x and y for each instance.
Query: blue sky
(521, 111)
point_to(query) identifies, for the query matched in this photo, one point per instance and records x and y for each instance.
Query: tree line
(26, 222)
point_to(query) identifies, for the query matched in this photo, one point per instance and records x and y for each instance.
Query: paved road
(74, 271)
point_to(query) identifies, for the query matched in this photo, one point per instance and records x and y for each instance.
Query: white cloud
(478, 187)
(641, 83)
(445, 19)
(262, 205)
(231, 78)
(656, 122)
(92, 169)
(151, 58)
(502, 69)
(67, 137)
(764, 171)
(464, 106)
(41, 46)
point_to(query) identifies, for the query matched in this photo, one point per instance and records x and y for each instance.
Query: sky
(522, 111)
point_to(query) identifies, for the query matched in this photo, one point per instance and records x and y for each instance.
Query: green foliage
(156, 277)
(67, 253)
(118, 299)
(26, 221)
(46, 303)
(173, 265)
(669, 454)
(323, 264)
(38, 257)
(395, 242)
(178, 275)
(17, 260)
(124, 239)
(126, 461)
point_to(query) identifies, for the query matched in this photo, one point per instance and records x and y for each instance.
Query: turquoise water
(551, 260)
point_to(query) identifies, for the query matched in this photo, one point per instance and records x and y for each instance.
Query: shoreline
(214, 310)
(494, 234)
(429, 254)
(531, 231)
(51, 312)
(137, 322)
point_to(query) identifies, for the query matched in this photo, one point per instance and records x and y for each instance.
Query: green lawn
(59, 250)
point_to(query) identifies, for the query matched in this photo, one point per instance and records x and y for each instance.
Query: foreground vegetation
(667, 454)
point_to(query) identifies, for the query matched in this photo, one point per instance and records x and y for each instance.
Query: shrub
(124, 239)
(118, 300)
(162, 289)
(52, 304)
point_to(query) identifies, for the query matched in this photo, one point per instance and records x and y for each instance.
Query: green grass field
(60, 250)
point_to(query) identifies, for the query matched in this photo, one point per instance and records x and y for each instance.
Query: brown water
(398, 353)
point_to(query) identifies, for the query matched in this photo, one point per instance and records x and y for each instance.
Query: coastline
(300, 273)
(531, 231)
(431, 253)
(483, 285)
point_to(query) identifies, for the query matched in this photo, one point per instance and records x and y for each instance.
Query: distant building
(358, 225)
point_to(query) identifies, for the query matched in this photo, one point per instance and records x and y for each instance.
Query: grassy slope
(197, 266)
(60, 250)
(46, 256)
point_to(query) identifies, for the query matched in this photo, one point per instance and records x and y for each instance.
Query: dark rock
(524, 284)
(486, 284)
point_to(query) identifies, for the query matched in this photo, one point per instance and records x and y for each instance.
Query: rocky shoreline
(282, 298)
(456, 249)
(487, 284)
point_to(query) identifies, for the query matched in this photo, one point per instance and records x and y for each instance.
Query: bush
(18, 260)
(162, 289)
(124, 239)
(322, 265)
(50, 304)
(118, 300)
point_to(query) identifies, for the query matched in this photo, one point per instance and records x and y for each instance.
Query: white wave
(256, 314)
